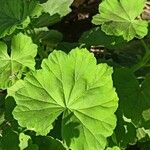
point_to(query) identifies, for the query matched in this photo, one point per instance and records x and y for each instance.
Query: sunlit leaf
(73, 85)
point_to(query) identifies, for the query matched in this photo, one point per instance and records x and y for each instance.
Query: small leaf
(120, 18)
(73, 85)
(61, 7)
(23, 141)
(22, 55)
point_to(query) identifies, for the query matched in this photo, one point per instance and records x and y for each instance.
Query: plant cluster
(93, 94)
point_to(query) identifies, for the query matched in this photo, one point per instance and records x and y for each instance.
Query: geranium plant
(89, 94)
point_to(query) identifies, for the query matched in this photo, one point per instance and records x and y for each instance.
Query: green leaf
(96, 37)
(37, 11)
(23, 141)
(75, 85)
(22, 55)
(144, 145)
(133, 97)
(113, 148)
(50, 38)
(48, 143)
(120, 18)
(124, 133)
(61, 7)
(143, 135)
(14, 14)
(32, 147)
(45, 20)
(2, 118)
(9, 107)
(10, 140)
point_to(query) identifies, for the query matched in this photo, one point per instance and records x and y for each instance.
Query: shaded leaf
(7, 143)
(97, 37)
(14, 14)
(133, 96)
(48, 143)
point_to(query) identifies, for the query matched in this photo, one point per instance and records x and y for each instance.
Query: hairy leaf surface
(120, 18)
(75, 85)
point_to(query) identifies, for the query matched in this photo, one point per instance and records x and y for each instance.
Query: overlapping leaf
(119, 17)
(61, 7)
(14, 14)
(49, 143)
(75, 85)
(97, 37)
(134, 98)
(22, 55)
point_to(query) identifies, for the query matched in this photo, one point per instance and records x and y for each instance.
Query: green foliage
(22, 55)
(55, 7)
(120, 18)
(92, 93)
(131, 93)
(14, 14)
(82, 97)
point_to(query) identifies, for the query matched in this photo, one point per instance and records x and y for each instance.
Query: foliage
(92, 94)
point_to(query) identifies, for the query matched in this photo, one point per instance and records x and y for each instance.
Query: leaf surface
(73, 85)
(14, 14)
(120, 18)
(61, 7)
(49, 143)
(22, 55)
(134, 98)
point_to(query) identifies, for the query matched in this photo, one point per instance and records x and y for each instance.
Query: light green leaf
(22, 55)
(23, 141)
(37, 11)
(113, 148)
(75, 85)
(61, 7)
(120, 18)
(14, 14)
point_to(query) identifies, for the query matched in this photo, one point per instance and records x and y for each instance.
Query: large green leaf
(119, 17)
(134, 98)
(75, 85)
(14, 14)
(22, 55)
(61, 7)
